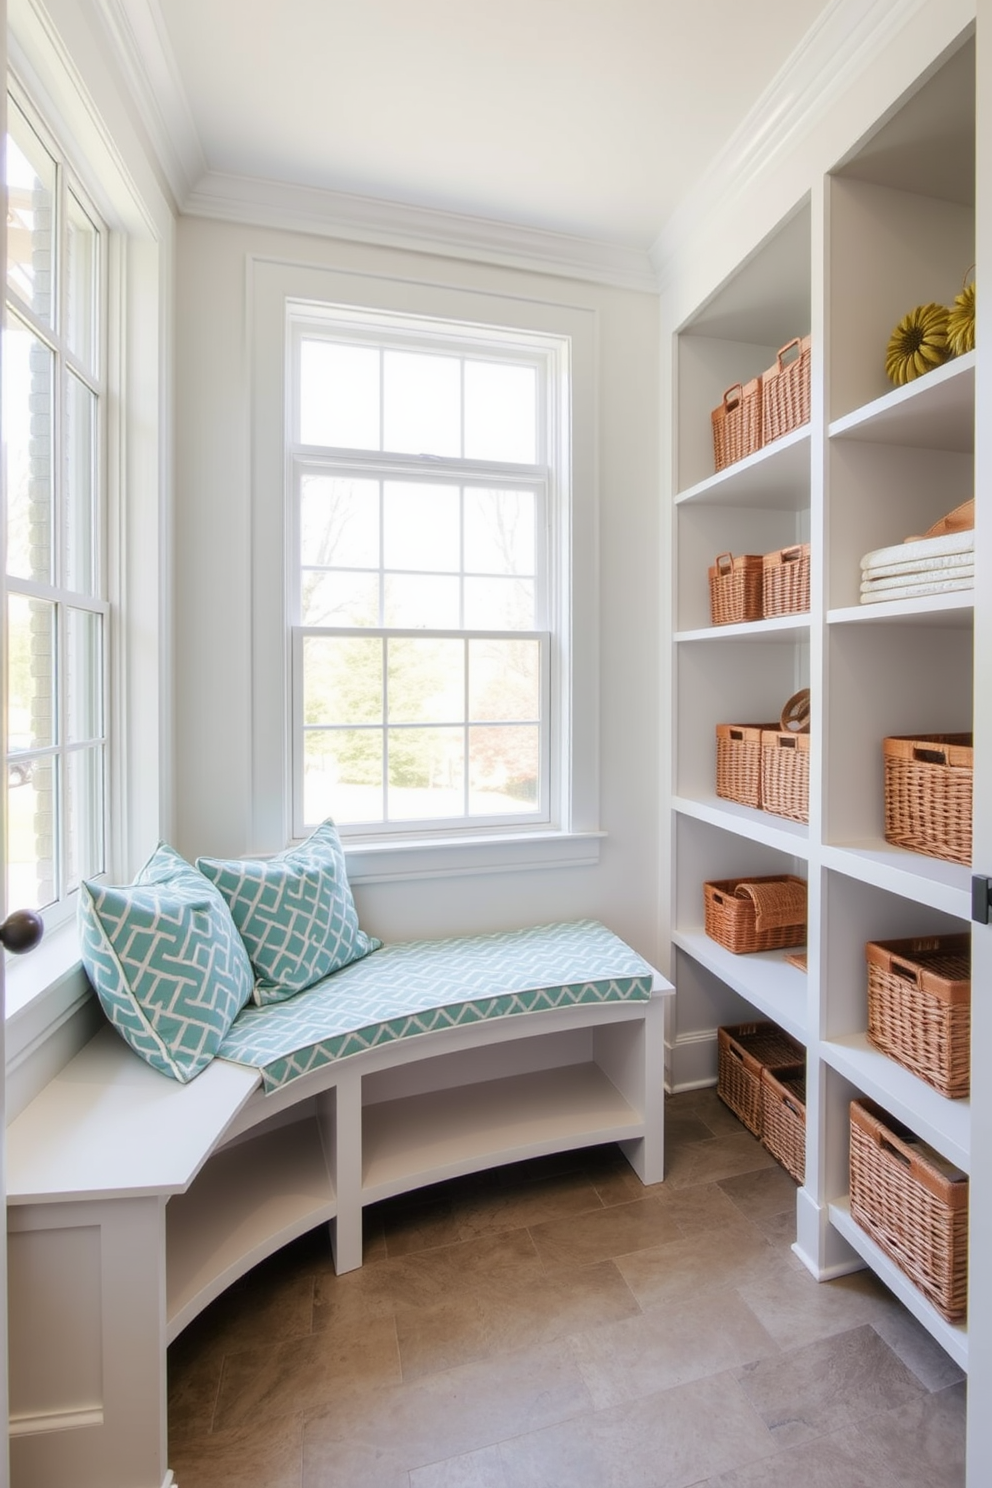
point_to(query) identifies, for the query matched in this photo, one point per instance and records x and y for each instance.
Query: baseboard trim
(691, 1061)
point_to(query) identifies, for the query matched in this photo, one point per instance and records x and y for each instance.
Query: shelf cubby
(763, 980)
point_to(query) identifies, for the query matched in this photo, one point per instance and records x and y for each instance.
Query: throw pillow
(166, 962)
(294, 912)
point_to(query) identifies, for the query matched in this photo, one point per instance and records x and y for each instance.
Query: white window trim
(271, 286)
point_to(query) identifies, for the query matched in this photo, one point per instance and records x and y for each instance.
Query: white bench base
(134, 1202)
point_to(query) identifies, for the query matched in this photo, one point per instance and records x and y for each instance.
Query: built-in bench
(134, 1201)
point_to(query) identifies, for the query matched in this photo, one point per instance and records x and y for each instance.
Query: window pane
(339, 395)
(30, 205)
(82, 270)
(342, 775)
(31, 834)
(499, 604)
(500, 412)
(421, 403)
(422, 527)
(504, 680)
(342, 680)
(80, 488)
(31, 672)
(503, 770)
(339, 522)
(27, 427)
(421, 603)
(83, 679)
(339, 598)
(426, 681)
(426, 773)
(499, 531)
(84, 815)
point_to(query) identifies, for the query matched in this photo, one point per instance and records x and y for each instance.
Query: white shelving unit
(888, 224)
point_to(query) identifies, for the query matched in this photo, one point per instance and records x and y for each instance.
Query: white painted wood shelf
(955, 610)
(763, 978)
(778, 832)
(953, 1337)
(784, 628)
(931, 881)
(421, 1139)
(775, 476)
(934, 412)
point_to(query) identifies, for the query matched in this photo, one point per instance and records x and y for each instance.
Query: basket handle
(906, 971)
(930, 756)
(786, 741)
(796, 343)
(894, 1151)
(791, 555)
(738, 388)
(791, 1106)
(724, 559)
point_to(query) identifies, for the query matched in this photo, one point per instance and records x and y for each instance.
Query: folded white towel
(915, 591)
(936, 567)
(924, 547)
(964, 571)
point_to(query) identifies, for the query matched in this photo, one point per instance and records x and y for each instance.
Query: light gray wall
(213, 586)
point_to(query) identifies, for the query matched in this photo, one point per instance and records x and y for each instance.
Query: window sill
(43, 989)
(391, 862)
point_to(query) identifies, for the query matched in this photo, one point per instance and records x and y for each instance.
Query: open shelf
(760, 826)
(930, 881)
(248, 1201)
(421, 1139)
(944, 1124)
(763, 978)
(953, 1337)
(956, 611)
(934, 412)
(775, 477)
(781, 628)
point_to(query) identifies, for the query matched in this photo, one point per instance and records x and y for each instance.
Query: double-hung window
(56, 622)
(427, 499)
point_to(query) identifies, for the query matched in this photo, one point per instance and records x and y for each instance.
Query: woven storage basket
(756, 914)
(736, 588)
(738, 762)
(785, 773)
(919, 1007)
(737, 423)
(744, 1051)
(783, 1117)
(785, 581)
(928, 790)
(785, 398)
(913, 1204)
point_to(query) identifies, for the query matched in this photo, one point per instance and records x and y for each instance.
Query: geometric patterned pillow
(166, 961)
(294, 912)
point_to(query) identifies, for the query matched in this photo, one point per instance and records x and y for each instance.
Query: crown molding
(848, 36)
(140, 44)
(365, 219)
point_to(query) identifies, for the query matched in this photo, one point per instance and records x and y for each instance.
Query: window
(429, 513)
(57, 615)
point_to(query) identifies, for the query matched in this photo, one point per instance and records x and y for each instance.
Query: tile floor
(556, 1325)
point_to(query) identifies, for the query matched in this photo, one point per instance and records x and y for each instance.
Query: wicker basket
(756, 914)
(783, 1117)
(785, 396)
(785, 581)
(785, 773)
(744, 1051)
(738, 762)
(736, 588)
(928, 789)
(919, 1007)
(737, 423)
(913, 1204)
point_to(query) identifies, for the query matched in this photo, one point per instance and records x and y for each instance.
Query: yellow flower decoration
(961, 322)
(918, 344)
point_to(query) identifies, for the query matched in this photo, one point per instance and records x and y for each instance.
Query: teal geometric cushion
(166, 962)
(294, 912)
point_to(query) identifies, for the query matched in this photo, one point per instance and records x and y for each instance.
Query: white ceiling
(585, 117)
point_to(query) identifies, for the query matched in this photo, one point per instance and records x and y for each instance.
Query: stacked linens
(926, 565)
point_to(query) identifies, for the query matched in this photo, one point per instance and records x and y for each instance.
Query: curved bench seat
(134, 1201)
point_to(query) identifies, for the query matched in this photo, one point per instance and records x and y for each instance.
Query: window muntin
(53, 398)
(422, 645)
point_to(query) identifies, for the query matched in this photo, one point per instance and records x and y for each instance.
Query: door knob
(21, 931)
